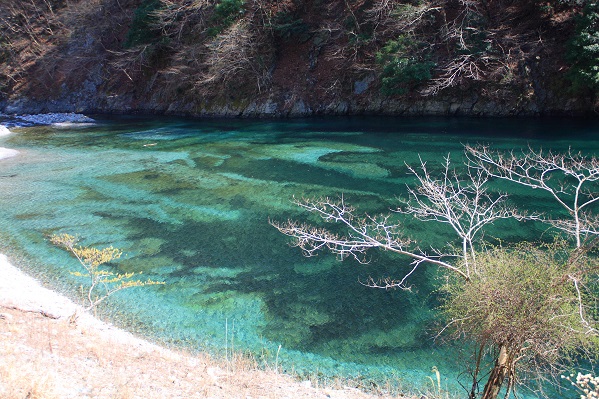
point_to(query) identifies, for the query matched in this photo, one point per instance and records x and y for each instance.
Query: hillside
(292, 57)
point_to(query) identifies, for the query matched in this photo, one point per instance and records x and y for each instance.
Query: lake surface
(189, 203)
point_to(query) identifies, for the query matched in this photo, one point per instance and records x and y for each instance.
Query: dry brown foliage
(183, 20)
(233, 55)
(28, 32)
(46, 358)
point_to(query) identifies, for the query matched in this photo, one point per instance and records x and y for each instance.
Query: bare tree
(570, 178)
(501, 298)
(392, 16)
(363, 233)
(234, 55)
(131, 62)
(177, 18)
(455, 70)
(463, 203)
(471, 61)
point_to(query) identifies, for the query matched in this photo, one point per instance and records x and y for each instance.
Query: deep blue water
(189, 203)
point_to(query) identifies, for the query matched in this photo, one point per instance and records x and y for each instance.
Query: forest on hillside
(313, 56)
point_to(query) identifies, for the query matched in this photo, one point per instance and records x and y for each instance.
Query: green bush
(142, 29)
(474, 36)
(225, 13)
(286, 25)
(404, 65)
(584, 50)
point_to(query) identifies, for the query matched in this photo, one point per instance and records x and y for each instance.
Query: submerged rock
(55, 118)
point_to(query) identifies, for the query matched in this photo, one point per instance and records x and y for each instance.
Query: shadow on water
(307, 302)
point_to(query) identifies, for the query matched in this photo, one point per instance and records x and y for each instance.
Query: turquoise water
(189, 203)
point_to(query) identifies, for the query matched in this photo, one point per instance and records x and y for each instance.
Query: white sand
(4, 131)
(94, 371)
(20, 291)
(7, 153)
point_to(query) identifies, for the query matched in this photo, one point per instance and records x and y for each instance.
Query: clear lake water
(189, 203)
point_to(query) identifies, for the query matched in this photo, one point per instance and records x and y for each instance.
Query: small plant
(584, 50)
(287, 26)
(226, 12)
(142, 30)
(437, 392)
(402, 66)
(99, 278)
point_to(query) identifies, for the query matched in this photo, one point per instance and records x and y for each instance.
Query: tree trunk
(479, 356)
(498, 374)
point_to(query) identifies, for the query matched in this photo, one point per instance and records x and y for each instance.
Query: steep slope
(292, 57)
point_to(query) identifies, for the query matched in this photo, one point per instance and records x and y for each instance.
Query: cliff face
(291, 57)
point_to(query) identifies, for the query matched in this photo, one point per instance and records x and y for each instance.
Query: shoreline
(6, 152)
(22, 292)
(25, 304)
(53, 348)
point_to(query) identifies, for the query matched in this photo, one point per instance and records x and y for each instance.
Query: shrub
(225, 13)
(99, 278)
(522, 300)
(183, 21)
(286, 25)
(234, 60)
(584, 50)
(403, 65)
(142, 29)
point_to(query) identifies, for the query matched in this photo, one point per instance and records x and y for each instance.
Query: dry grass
(47, 358)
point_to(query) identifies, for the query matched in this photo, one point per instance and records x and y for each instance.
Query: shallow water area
(189, 203)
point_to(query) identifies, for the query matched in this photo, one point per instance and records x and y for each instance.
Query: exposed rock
(311, 58)
(360, 86)
(54, 118)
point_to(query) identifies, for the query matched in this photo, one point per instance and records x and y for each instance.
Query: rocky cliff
(292, 57)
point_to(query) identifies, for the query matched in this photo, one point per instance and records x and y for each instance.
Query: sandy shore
(6, 152)
(22, 292)
(46, 353)
(4, 131)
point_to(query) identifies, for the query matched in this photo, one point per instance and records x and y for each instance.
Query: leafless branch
(175, 18)
(461, 202)
(392, 16)
(464, 66)
(362, 233)
(569, 178)
(233, 54)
